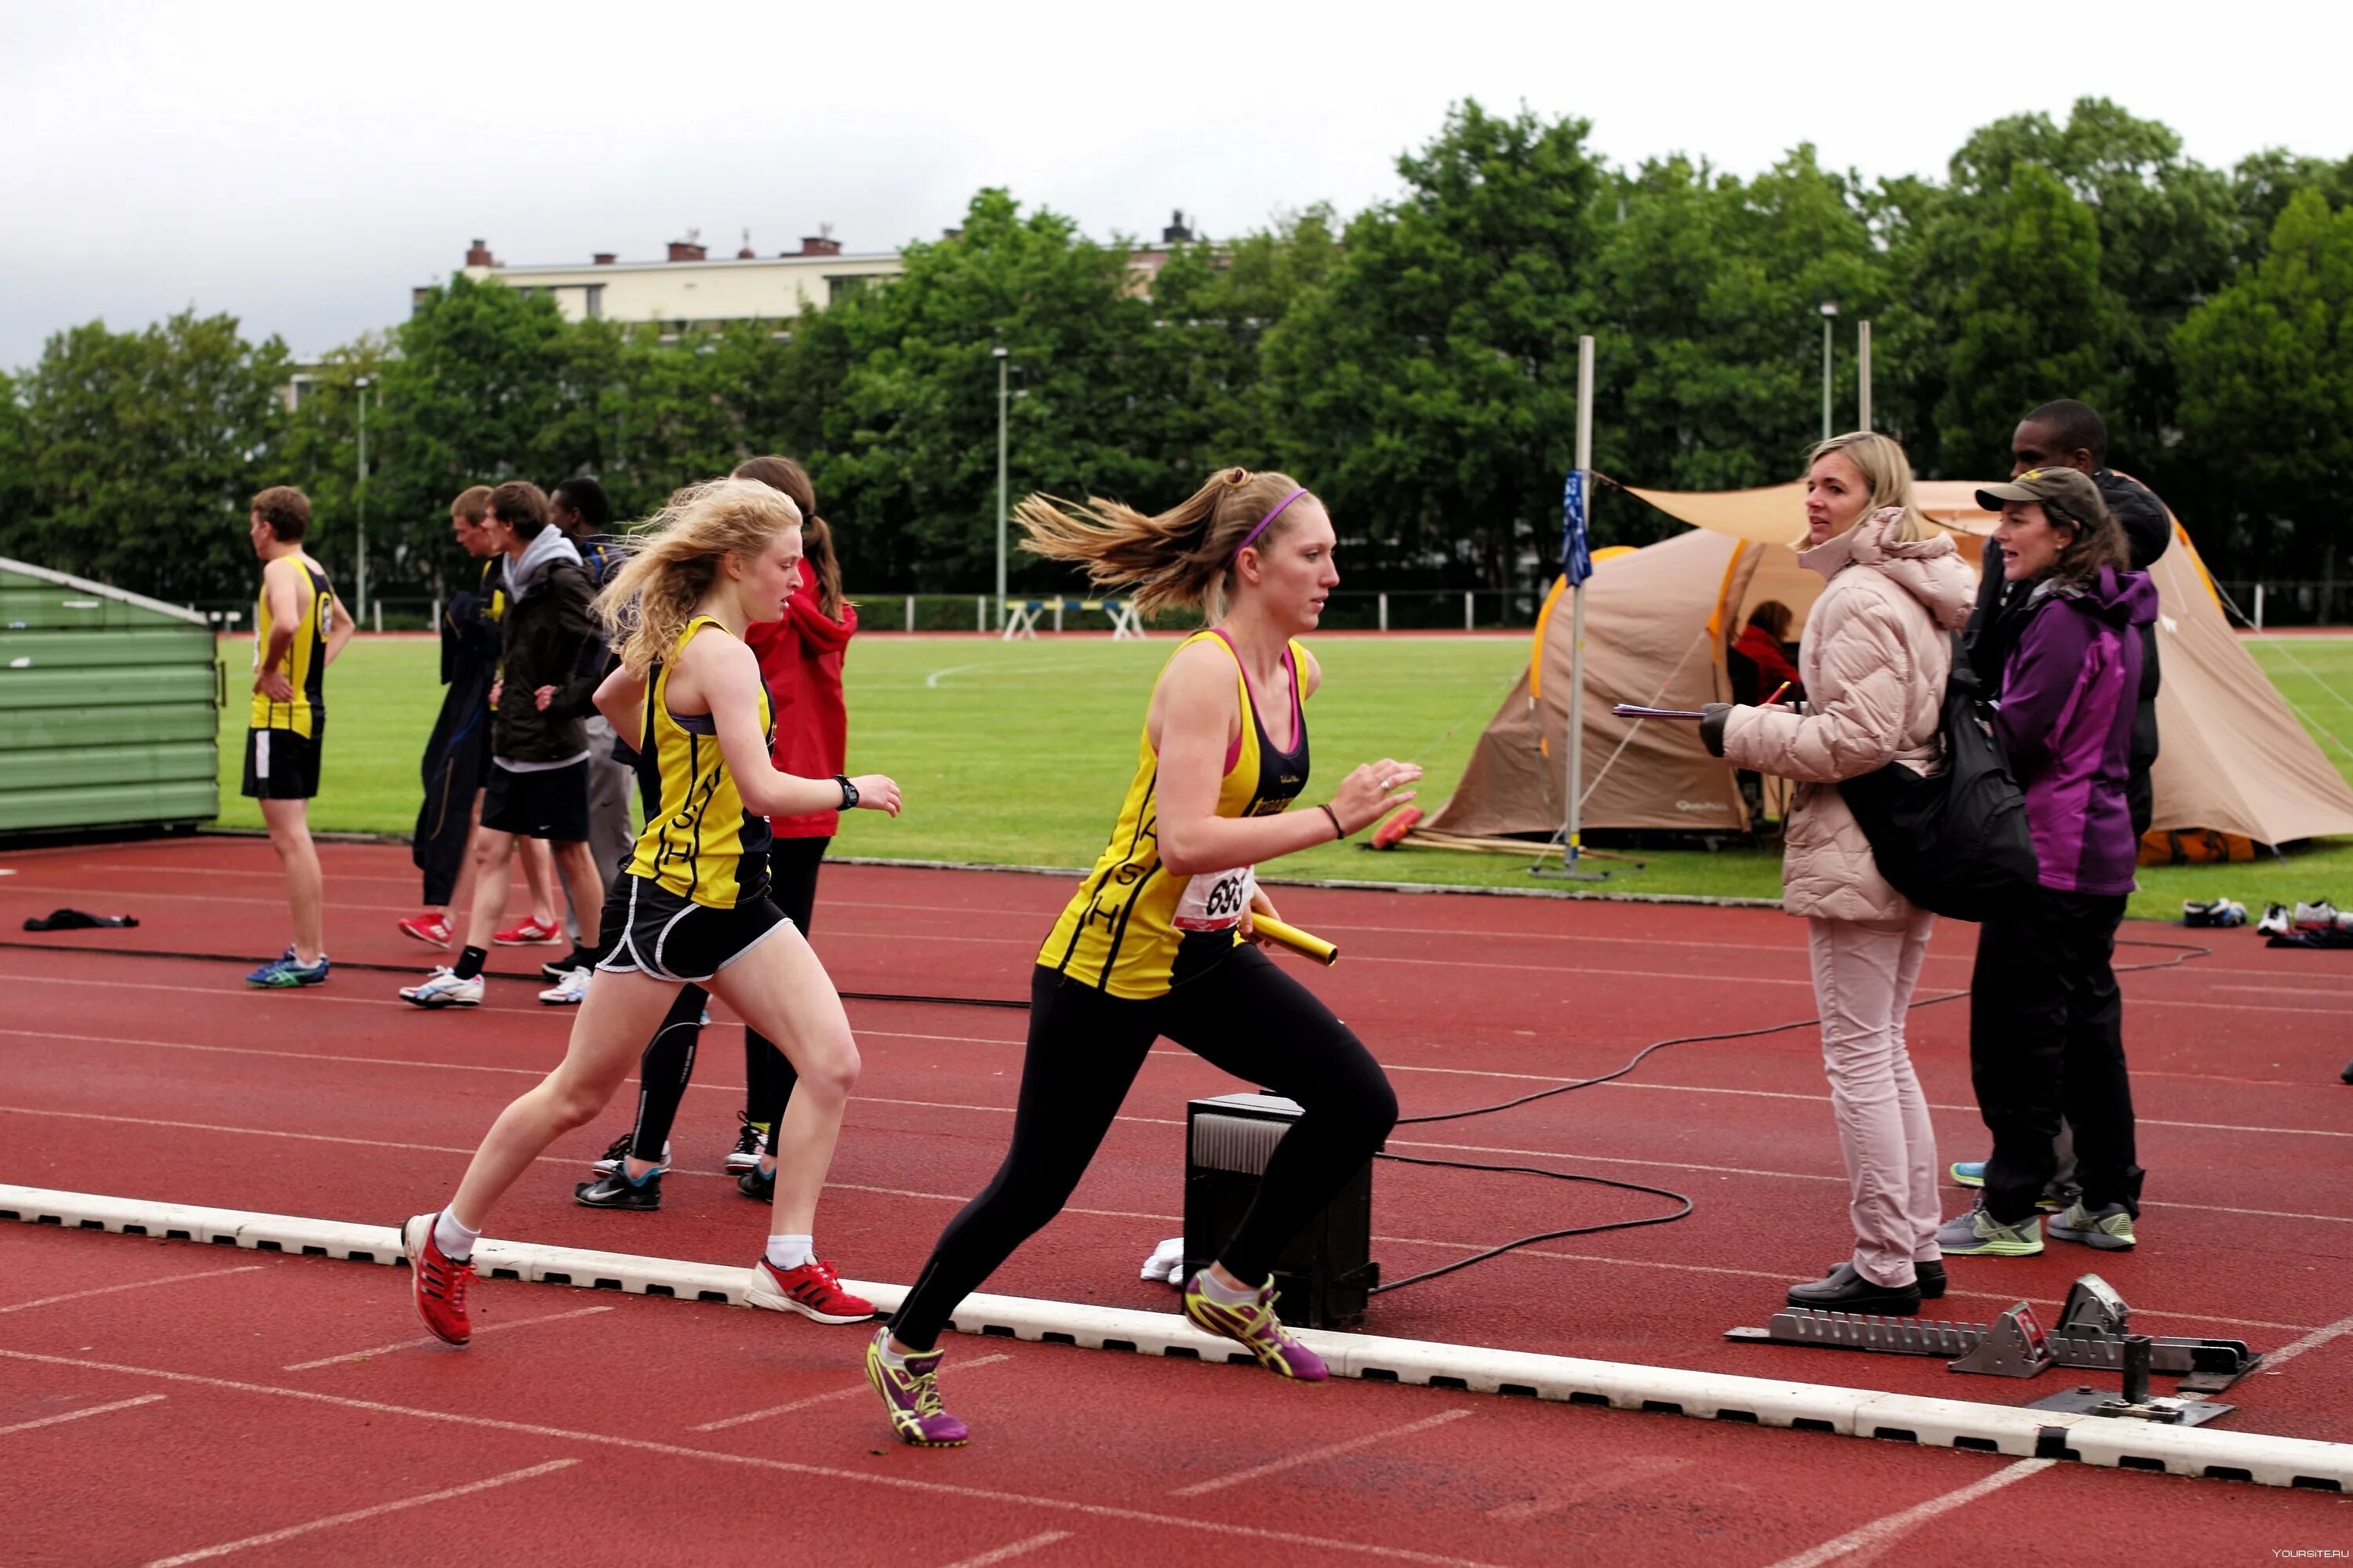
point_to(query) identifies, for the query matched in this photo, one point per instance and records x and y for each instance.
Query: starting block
(2094, 1334)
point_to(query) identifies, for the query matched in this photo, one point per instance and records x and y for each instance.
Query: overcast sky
(304, 167)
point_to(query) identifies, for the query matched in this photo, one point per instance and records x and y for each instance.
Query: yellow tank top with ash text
(1132, 929)
(306, 661)
(701, 842)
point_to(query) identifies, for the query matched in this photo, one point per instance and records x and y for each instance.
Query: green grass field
(1018, 753)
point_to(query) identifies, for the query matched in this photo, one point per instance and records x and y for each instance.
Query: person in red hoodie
(800, 659)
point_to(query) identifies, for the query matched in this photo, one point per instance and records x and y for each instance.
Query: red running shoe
(439, 1284)
(433, 930)
(813, 1290)
(530, 930)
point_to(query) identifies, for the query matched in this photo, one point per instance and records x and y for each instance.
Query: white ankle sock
(791, 1252)
(456, 1242)
(1216, 1291)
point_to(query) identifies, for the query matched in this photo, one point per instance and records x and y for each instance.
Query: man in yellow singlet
(298, 628)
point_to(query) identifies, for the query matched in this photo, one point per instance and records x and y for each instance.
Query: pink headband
(1270, 517)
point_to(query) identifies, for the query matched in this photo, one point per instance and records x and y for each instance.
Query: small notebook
(1635, 711)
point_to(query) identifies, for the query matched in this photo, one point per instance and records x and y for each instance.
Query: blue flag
(1576, 548)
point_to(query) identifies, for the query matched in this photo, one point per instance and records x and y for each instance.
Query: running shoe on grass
(2109, 1229)
(438, 1284)
(2275, 921)
(1979, 1234)
(611, 1161)
(1255, 1328)
(287, 972)
(813, 1290)
(911, 1396)
(433, 930)
(531, 929)
(442, 988)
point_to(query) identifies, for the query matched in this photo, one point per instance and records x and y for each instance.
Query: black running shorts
(548, 803)
(282, 766)
(650, 929)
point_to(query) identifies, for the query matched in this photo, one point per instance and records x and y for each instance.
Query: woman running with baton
(1157, 939)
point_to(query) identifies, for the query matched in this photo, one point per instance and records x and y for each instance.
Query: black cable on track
(2185, 952)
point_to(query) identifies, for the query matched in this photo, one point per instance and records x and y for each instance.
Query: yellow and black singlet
(306, 661)
(700, 843)
(1132, 930)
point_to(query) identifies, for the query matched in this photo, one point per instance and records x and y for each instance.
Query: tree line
(1416, 364)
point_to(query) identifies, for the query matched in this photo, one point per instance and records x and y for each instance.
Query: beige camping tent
(2234, 759)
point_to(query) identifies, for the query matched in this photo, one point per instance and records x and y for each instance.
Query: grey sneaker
(2109, 1229)
(1979, 1234)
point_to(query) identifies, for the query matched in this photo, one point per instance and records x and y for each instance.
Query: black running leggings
(668, 1066)
(1245, 1016)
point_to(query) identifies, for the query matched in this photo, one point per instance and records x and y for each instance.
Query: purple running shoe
(910, 1396)
(1255, 1328)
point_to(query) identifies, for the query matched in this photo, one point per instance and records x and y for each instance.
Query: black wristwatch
(849, 792)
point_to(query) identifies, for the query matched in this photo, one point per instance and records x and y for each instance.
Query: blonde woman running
(1156, 940)
(692, 904)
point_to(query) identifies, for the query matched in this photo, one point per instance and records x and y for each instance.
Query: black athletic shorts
(550, 803)
(650, 929)
(282, 766)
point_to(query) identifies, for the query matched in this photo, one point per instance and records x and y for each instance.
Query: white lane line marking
(1007, 1553)
(834, 934)
(134, 1285)
(78, 1414)
(1143, 1120)
(357, 1514)
(920, 1487)
(1639, 1471)
(2311, 1341)
(977, 1040)
(1314, 1456)
(1895, 1526)
(429, 1340)
(856, 1388)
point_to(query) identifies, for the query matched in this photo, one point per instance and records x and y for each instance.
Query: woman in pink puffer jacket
(1875, 659)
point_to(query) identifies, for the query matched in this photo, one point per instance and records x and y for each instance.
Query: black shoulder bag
(1955, 842)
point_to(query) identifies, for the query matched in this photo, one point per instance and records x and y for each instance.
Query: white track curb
(1847, 1412)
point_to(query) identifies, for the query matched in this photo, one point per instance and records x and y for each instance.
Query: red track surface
(165, 1079)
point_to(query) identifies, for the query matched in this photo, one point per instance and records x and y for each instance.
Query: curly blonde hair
(675, 556)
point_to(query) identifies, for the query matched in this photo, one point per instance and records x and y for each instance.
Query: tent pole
(1863, 375)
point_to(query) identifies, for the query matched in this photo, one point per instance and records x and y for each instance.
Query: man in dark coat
(458, 756)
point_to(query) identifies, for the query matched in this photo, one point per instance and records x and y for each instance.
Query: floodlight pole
(1863, 375)
(360, 492)
(1002, 357)
(1830, 314)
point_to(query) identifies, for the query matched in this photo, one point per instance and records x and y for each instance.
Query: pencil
(1775, 696)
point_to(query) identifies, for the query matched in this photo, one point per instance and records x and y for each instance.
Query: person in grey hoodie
(2046, 1024)
(539, 744)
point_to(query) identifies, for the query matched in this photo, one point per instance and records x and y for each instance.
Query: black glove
(1711, 726)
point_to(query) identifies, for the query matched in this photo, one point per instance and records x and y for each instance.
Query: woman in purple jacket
(2046, 1023)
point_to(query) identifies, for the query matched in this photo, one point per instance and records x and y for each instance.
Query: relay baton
(1297, 940)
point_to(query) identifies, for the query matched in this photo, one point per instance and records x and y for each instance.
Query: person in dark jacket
(2069, 434)
(2046, 1023)
(539, 744)
(579, 507)
(458, 753)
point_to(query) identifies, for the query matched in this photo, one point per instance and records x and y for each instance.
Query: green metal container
(109, 707)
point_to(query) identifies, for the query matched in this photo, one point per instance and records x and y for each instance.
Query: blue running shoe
(1968, 1172)
(287, 972)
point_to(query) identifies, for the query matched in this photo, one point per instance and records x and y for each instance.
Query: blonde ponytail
(1177, 559)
